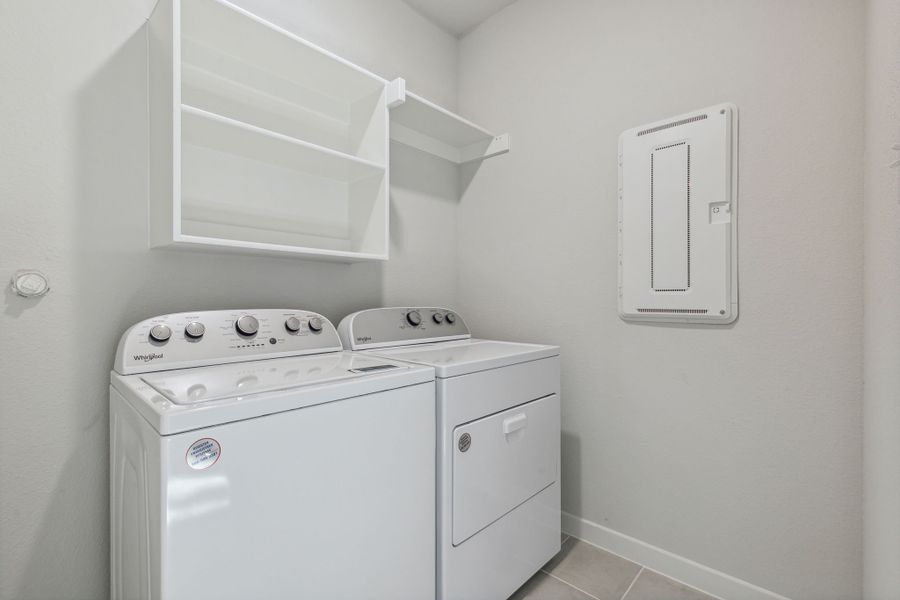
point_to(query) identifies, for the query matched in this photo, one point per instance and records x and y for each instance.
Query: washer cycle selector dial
(438, 318)
(292, 324)
(194, 330)
(315, 324)
(160, 333)
(247, 325)
(451, 318)
(413, 318)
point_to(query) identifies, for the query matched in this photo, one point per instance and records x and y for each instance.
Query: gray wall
(881, 332)
(738, 447)
(73, 188)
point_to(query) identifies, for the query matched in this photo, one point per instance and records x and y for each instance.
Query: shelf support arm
(396, 92)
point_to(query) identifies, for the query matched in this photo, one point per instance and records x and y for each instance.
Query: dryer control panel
(400, 326)
(201, 338)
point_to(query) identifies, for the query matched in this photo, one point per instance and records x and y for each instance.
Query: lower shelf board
(424, 125)
(480, 150)
(193, 242)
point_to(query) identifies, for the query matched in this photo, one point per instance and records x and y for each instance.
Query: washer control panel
(201, 338)
(399, 326)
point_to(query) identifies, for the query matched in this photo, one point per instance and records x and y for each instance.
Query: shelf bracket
(396, 92)
(479, 151)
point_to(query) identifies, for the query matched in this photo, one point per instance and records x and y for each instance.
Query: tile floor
(584, 572)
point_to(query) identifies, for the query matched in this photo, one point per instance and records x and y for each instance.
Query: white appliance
(252, 458)
(498, 436)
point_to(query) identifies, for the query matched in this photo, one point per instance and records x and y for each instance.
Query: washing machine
(498, 438)
(252, 458)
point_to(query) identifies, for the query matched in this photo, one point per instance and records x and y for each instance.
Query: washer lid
(450, 359)
(210, 384)
(185, 399)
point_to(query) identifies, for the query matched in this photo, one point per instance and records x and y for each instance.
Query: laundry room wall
(738, 447)
(73, 203)
(881, 308)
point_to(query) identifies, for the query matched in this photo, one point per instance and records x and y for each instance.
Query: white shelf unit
(424, 125)
(261, 141)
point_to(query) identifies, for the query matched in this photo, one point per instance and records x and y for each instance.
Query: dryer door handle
(514, 423)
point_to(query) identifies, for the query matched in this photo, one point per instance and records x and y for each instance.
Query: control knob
(247, 325)
(414, 318)
(451, 318)
(438, 318)
(194, 330)
(292, 324)
(160, 333)
(315, 324)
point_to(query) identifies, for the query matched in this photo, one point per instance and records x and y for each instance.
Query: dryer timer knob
(160, 333)
(414, 318)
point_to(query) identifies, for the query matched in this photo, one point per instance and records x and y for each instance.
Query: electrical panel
(678, 219)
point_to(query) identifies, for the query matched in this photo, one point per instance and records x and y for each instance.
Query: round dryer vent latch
(465, 442)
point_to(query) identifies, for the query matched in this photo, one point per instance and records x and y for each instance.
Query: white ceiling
(458, 17)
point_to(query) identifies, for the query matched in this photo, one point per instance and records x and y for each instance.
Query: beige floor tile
(544, 587)
(653, 586)
(597, 572)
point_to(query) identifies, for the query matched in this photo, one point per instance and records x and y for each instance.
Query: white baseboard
(688, 572)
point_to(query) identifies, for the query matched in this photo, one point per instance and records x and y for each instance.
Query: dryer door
(501, 461)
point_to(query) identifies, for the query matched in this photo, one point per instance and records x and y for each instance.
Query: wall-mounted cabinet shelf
(424, 125)
(261, 141)
(219, 133)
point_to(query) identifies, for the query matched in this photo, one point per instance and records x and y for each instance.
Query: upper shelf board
(219, 27)
(422, 124)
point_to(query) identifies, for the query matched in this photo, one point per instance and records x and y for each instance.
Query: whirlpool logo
(147, 357)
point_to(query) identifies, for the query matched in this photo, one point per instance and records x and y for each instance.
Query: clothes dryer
(498, 439)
